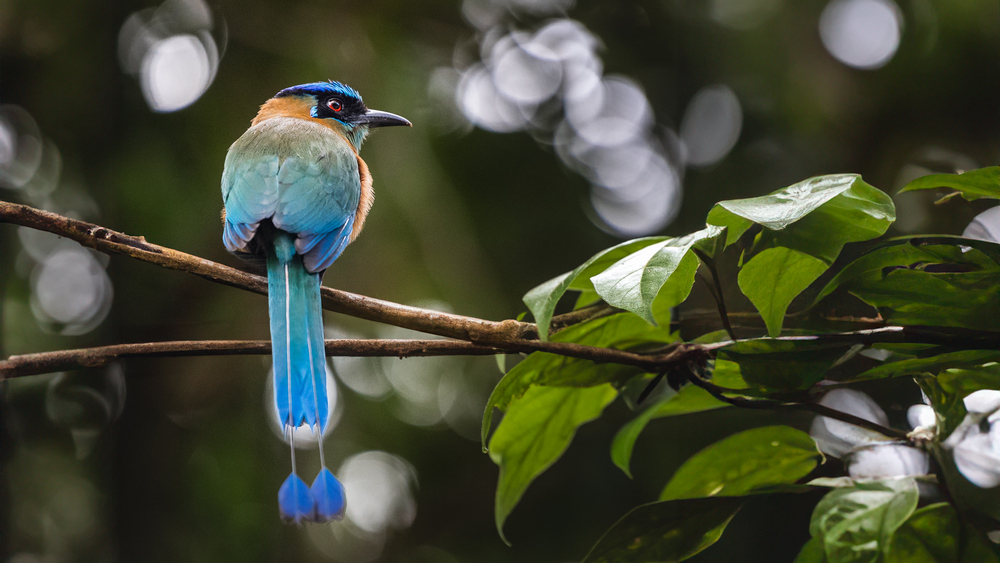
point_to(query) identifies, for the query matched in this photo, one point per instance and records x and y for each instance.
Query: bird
(295, 193)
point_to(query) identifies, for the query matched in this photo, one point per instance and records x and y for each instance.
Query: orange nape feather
(299, 107)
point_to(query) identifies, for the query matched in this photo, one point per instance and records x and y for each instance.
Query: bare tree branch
(112, 242)
(471, 336)
(48, 362)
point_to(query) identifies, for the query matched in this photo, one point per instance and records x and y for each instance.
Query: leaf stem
(720, 301)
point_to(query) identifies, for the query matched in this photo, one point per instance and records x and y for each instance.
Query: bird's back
(300, 175)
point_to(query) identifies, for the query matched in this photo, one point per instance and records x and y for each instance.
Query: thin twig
(720, 301)
(769, 404)
(582, 315)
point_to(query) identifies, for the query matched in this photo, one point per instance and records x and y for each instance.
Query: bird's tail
(299, 375)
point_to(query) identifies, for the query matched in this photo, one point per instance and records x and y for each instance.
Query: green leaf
(665, 531)
(933, 364)
(542, 300)
(816, 216)
(915, 297)
(947, 390)
(621, 331)
(934, 534)
(690, 399)
(634, 281)
(727, 375)
(535, 432)
(856, 523)
(974, 184)
(773, 278)
(914, 252)
(744, 462)
(965, 381)
(812, 552)
(784, 364)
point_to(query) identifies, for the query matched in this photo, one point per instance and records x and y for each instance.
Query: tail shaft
(299, 360)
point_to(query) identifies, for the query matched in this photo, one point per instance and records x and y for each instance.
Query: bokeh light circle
(861, 33)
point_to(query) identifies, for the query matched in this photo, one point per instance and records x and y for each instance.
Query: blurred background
(544, 131)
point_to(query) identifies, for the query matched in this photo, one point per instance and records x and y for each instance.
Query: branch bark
(469, 336)
(112, 242)
(62, 360)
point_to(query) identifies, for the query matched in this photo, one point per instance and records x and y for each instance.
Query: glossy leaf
(773, 278)
(816, 216)
(690, 399)
(912, 253)
(933, 364)
(633, 282)
(665, 531)
(934, 534)
(542, 300)
(784, 364)
(915, 297)
(812, 552)
(622, 331)
(727, 375)
(780, 208)
(744, 462)
(535, 432)
(857, 523)
(974, 184)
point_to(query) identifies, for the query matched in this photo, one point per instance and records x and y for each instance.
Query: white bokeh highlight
(378, 488)
(711, 125)
(71, 293)
(551, 83)
(862, 34)
(172, 52)
(176, 72)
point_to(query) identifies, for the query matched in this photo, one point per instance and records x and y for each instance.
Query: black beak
(376, 118)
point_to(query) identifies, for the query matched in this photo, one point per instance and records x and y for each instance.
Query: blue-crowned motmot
(296, 193)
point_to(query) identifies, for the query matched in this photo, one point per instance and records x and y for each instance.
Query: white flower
(881, 461)
(982, 401)
(921, 416)
(975, 444)
(836, 437)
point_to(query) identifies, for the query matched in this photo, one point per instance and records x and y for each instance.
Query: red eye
(335, 105)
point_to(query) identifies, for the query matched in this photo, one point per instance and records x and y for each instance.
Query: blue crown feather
(320, 89)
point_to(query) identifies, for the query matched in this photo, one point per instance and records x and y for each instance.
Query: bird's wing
(318, 200)
(250, 194)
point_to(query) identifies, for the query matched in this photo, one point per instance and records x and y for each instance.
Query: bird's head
(336, 105)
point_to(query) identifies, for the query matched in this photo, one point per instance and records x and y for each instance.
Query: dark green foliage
(665, 531)
(935, 303)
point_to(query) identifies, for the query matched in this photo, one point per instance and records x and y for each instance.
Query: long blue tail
(300, 375)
